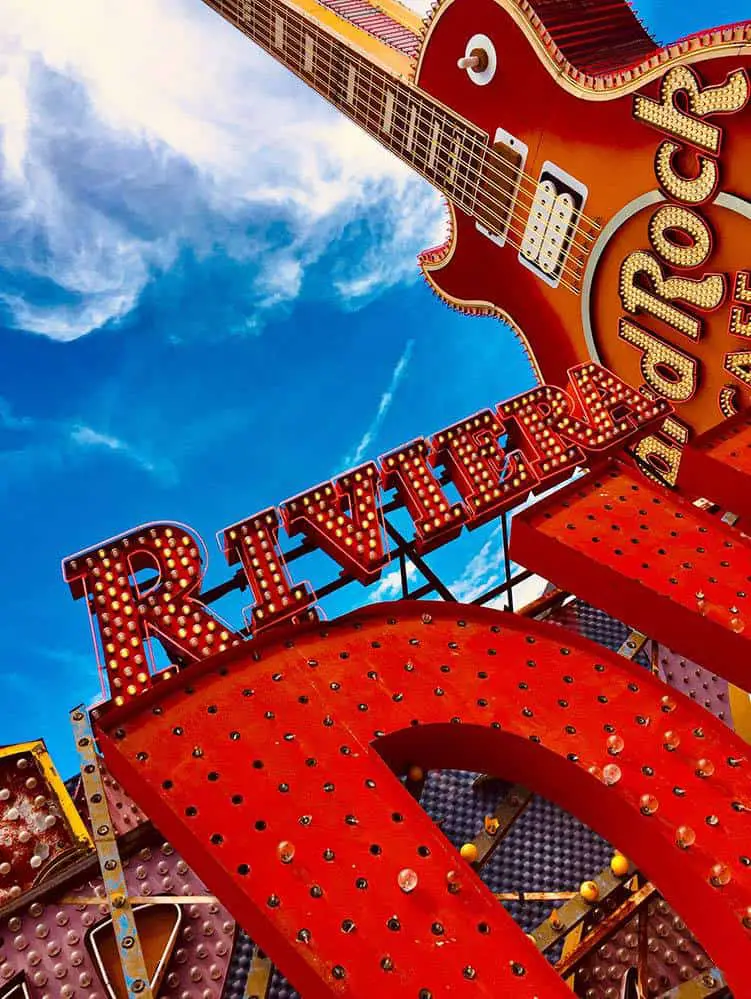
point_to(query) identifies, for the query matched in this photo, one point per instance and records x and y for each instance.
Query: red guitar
(598, 186)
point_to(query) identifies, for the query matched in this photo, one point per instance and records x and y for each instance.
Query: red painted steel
(649, 558)
(717, 465)
(271, 768)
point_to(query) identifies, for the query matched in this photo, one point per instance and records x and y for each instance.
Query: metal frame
(123, 921)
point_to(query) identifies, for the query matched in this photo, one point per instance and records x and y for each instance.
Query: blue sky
(209, 301)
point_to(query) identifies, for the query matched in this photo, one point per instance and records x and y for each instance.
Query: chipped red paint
(271, 770)
(650, 557)
(35, 836)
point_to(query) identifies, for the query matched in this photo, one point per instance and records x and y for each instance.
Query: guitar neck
(442, 147)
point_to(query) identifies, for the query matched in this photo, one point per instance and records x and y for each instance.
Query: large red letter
(264, 776)
(436, 520)
(127, 616)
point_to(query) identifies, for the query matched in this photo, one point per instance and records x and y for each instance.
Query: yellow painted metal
(41, 754)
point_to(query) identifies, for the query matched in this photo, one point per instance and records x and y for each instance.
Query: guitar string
(292, 25)
(293, 31)
(510, 215)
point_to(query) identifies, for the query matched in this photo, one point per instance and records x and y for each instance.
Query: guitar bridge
(556, 208)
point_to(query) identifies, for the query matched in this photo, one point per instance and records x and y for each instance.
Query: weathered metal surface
(221, 751)
(127, 940)
(39, 827)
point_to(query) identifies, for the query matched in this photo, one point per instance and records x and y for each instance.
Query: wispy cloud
(10, 421)
(482, 571)
(114, 161)
(383, 407)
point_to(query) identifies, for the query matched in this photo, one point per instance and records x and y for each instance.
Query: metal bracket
(573, 912)
(259, 976)
(123, 922)
(497, 825)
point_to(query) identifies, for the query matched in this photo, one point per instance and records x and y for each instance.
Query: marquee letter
(551, 431)
(667, 116)
(657, 455)
(488, 478)
(740, 318)
(255, 543)
(299, 824)
(738, 363)
(127, 616)
(342, 517)
(706, 294)
(436, 520)
(668, 371)
(691, 190)
(684, 255)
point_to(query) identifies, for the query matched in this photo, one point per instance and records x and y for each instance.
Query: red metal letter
(488, 479)
(254, 542)
(555, 434)
(127, 616)
(264, 776)
(342, 517)
(436, 520)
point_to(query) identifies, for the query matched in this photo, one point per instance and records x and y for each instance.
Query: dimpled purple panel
(699, 684)
(47, 938)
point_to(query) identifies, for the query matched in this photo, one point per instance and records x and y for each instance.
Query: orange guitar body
(690, 343)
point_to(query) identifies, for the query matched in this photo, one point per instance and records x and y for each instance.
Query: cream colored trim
(478, 306)
(403, 15)
(355, 38)
(588, 91)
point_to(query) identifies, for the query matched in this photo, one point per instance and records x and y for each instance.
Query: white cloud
(86, 437)
(482, 571)
(383, 406)
(133, 129)
(389, 587)
(524, 593)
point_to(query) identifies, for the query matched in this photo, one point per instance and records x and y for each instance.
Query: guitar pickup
(556, 209)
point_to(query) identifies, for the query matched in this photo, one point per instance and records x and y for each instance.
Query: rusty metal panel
(40, 829)
(258, 764)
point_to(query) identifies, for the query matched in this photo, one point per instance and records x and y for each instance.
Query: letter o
(674, 217)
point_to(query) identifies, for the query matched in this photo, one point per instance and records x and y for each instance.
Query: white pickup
(556, 206)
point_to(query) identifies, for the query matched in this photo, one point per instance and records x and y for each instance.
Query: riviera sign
(548, 432)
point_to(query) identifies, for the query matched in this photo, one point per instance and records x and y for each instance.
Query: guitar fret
(388, 111)
(351, 83)
(307, 64)
(278, 30)
(435, 133)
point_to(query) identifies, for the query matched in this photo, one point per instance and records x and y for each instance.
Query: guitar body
(690, 343)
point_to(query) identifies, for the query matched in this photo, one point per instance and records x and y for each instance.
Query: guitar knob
(479, 60)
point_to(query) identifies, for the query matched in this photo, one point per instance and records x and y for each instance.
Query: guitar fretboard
(445, 149)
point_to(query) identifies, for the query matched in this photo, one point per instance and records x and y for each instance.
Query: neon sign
(548, 432)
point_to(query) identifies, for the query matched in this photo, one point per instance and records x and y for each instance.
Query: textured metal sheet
(369, 673)
(647, 556)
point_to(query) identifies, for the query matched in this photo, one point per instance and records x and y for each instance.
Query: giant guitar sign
(597, 183)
